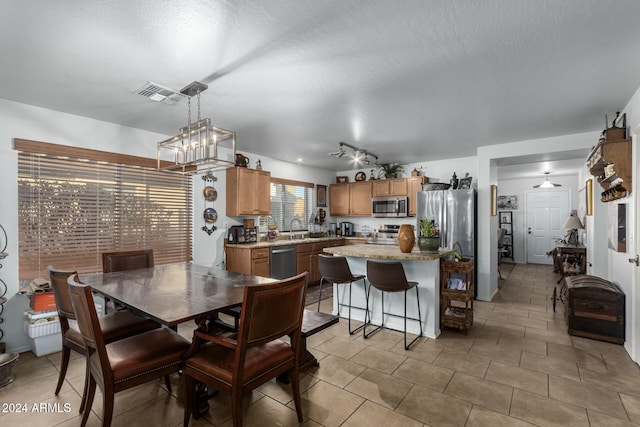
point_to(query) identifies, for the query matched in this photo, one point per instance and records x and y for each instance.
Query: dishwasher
(282, 260)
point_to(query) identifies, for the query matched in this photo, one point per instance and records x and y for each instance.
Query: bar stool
(335, 270)
(390, 277)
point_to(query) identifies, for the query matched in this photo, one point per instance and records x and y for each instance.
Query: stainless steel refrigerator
(454, 211)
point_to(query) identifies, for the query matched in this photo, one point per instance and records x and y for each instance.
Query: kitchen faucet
(292, 235)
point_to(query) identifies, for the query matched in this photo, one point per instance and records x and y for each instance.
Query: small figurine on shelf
(258, 165)
(454, 181)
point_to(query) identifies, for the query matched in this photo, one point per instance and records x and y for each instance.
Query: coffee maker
(347, 229)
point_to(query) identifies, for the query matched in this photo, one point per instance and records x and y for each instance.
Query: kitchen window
(74, 204)
(290, 199)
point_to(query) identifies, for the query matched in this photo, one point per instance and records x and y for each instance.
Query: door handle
(529, 230)
(635, 260)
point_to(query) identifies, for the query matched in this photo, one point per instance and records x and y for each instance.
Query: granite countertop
(283, 242)
(386, 252)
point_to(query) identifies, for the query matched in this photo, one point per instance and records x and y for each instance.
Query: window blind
(71, 210)
(290, 199)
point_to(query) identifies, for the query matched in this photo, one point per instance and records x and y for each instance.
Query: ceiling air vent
(159, 93)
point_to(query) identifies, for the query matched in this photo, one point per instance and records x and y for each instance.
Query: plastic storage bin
(43, 328)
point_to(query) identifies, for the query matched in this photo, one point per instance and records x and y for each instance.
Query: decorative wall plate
(210, 215)
(210, 194)
(361, 176)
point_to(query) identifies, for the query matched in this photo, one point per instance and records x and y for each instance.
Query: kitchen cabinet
(415, 184)
(610, 163)
(248, 192)
(339, 200)
(360, 198)
(350, 199)
(307, 257)
(390, 187)
(246, 260)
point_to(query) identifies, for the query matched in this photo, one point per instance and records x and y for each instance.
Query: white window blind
(73, 209)
(290, 199)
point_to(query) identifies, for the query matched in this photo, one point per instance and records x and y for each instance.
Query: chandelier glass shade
(199, 147)
(546, 183)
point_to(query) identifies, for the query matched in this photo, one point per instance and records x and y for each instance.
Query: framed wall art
(321, 196)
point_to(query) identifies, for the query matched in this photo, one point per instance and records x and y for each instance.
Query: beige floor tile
(597, 419)
(523, 343)
(220, 407)
(632, 405)
(384, 339)
(613, 380)
(463, 362)
(424, 374)
(528, 322)
(496, 352)
(587, 396)
(481, 417)
(337, 371)
(504, 328)
(425, 350)
(341, 347)
(486, 393)
(381, 360)
(380, 388)
(584, 359)
(282, 392)
(329, 405)
(552, 335)
(383, 417)
(543, 411)
(434, 409)
(267, 412)
(551, 365)
(513, 376)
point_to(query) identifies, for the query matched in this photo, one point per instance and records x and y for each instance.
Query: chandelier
(359, 156)
(199, 147)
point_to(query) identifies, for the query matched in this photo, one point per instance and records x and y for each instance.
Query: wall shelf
(615, 155)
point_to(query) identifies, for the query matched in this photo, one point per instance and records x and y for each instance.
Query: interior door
(547, 210)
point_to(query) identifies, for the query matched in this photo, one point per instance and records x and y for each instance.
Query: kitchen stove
(387, 234)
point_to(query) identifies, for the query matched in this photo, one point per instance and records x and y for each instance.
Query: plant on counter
(429, 239)
(428, 228)
(389, 170)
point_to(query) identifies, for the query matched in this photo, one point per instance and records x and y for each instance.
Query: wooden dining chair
(236, 363)
(114, 326)
(125, 363)
(125, 261)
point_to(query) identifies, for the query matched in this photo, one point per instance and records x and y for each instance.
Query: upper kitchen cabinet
(360, 198)
(415, 184)
(390, 187)
(339, 200)
(610, 163)
(248, 192)
(350, 199)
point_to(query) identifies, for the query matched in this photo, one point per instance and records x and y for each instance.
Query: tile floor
(516, 367)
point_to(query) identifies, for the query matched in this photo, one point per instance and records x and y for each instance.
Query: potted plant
(429, 239)
(390, 170)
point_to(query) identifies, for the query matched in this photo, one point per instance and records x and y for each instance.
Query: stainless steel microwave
(390, 207)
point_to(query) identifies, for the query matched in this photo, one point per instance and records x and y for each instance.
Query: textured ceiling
(406, 80)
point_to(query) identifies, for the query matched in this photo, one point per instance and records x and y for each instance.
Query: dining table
(174, 293)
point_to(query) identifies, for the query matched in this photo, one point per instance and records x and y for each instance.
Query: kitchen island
(421, 267)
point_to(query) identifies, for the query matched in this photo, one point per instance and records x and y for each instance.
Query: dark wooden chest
(595, 308)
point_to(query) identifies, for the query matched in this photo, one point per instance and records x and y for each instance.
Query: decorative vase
(406, 238)
(429, 244)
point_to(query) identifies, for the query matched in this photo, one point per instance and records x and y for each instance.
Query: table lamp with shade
(573, 224)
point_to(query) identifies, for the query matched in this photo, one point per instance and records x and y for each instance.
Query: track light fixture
(357, 155)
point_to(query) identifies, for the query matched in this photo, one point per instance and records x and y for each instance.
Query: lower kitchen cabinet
(254, 261)
(307, 257)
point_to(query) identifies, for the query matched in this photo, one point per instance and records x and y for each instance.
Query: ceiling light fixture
(547, 183)
(199, 147)
(358, 155)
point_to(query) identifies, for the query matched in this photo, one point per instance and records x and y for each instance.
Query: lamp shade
(573, 223)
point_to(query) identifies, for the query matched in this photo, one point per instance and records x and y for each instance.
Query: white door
(547, 210)
(634, 333)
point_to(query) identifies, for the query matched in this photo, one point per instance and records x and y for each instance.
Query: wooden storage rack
(618, 153)
(459, 302)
